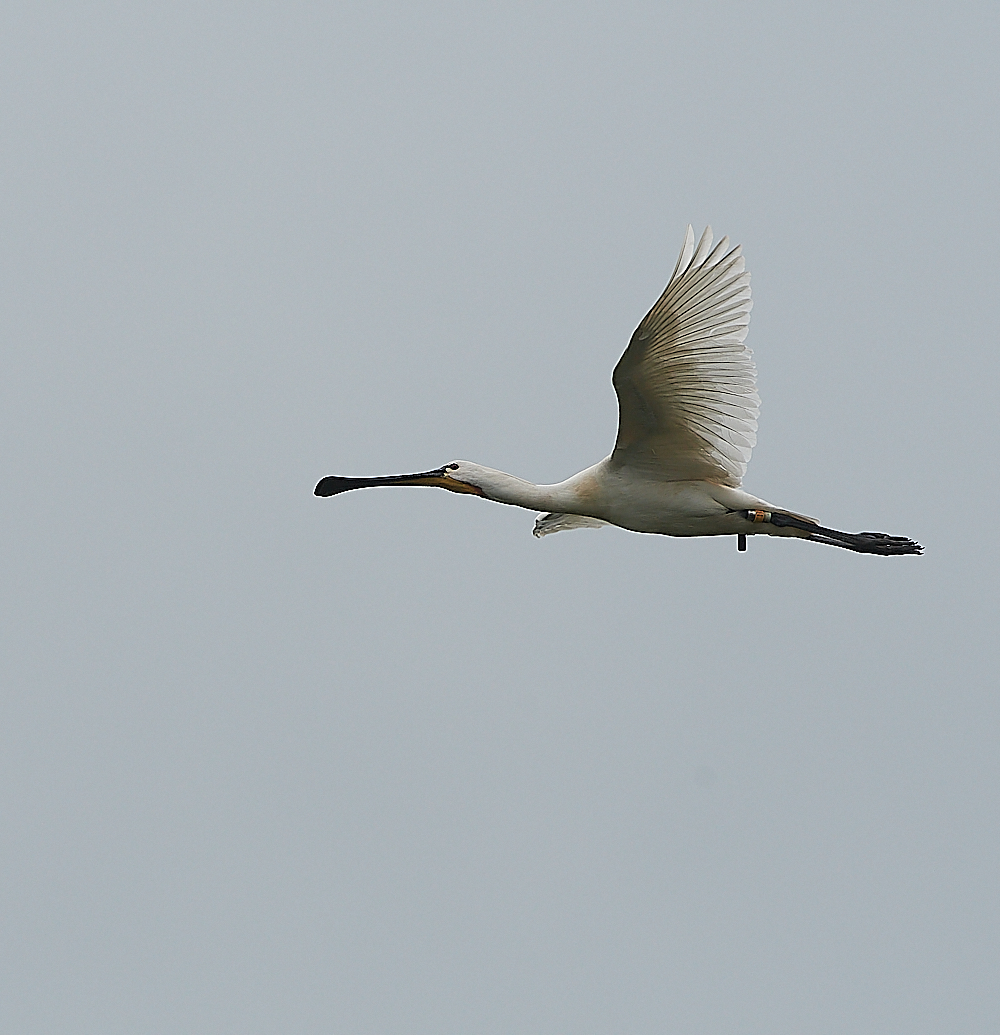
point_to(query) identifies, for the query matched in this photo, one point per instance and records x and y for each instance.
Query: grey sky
(386, 763)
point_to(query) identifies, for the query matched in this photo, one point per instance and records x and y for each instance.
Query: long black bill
(333, 485)
(860, 542)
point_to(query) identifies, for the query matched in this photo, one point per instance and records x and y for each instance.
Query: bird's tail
(860, 542)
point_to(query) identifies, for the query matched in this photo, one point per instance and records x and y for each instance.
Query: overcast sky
(385, 763)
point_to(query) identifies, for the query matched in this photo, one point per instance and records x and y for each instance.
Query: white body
(612, 494)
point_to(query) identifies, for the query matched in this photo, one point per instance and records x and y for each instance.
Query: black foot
(882, 544)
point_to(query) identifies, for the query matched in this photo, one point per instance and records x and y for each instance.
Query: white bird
(687, 422)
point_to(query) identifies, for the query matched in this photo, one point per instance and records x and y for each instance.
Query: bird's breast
(645, 505)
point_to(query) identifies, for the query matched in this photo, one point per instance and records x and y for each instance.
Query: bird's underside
(687, 423)
(607, 494)
(781, 523)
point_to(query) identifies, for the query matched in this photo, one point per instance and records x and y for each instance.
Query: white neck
(562, 497)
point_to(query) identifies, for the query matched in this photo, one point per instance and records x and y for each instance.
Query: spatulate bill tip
(331, 485)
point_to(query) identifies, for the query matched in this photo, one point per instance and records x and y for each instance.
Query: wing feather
(686, 384)
(549, 523)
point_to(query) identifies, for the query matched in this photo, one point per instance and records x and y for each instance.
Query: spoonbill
(687, 422)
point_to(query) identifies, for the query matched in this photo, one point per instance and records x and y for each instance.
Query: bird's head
(465, 476)
(458, 476)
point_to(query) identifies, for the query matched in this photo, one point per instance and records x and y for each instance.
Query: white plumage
(687, 423)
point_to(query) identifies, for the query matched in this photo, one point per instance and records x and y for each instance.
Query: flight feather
(686, 384)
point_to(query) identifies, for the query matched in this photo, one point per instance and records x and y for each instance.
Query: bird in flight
(687, 422)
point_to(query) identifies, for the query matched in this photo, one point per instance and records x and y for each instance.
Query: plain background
(385, 763)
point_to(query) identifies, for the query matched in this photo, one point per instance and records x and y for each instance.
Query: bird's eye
(452, 467)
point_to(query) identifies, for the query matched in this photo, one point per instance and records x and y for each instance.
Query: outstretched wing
(687, 402)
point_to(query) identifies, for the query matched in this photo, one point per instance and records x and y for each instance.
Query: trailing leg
(860, 542)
